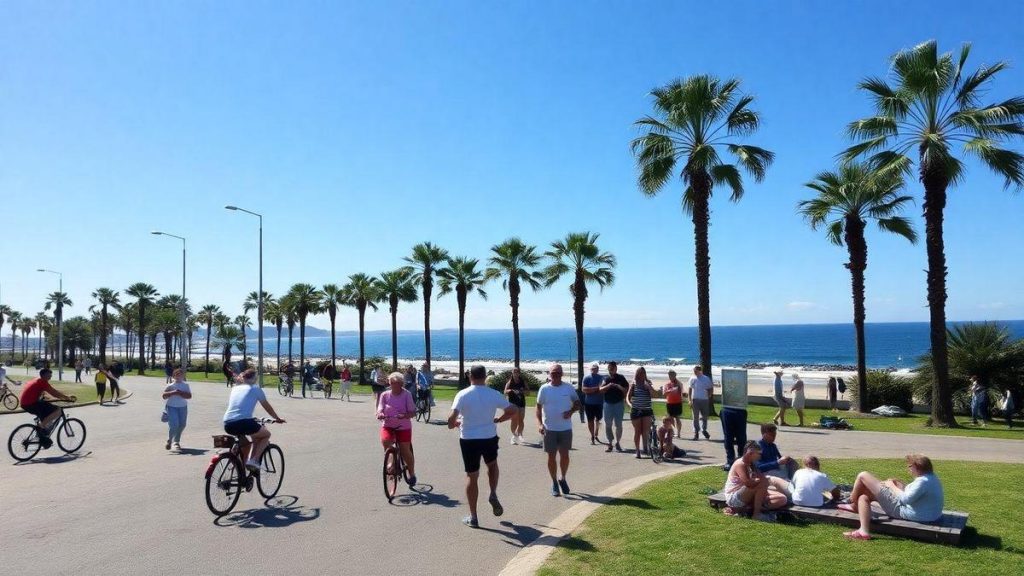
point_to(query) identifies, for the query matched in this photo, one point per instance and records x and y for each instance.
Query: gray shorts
(781, 401)
(888, 501)
(557, 440)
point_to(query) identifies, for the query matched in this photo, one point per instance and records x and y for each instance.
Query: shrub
(885, 389)
(498, 381)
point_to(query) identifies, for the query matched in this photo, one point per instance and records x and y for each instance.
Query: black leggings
(115, 391)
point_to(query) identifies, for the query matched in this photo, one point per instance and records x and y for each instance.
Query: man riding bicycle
(32, 402)
(425, 383)
(238, 420)
(395, 409)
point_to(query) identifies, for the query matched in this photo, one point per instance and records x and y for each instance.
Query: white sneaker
(521, 439)
(176, 447)
(513, 440)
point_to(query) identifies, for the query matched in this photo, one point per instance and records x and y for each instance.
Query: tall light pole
(60, 323)
(182, 344)
(259, 299)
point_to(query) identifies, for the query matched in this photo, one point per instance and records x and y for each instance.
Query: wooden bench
(945, 530)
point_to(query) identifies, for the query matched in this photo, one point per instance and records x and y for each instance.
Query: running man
(238, 420)
(473, 412)
(556, 403)
(33, 403)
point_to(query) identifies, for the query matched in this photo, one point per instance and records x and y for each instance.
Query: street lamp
(184, 323)
(60, 323)
(259, 299)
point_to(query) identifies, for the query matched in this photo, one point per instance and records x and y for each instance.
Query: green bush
(498, 381)
(885, 389)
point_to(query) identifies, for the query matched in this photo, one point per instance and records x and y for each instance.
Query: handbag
(163, 416)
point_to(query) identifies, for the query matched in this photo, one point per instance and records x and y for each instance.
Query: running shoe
(554, 489)
(564, 486)
(471, 522)
(496, 505)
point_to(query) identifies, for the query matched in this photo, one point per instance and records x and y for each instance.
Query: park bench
(946, 530)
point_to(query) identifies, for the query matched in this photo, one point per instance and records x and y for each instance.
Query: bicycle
(9, 399)
(423, 405)
(394, 468)
(227, 477)
(653, 445)
(285, 387)
(27, 440)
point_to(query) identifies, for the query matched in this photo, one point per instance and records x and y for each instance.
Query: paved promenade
(126, 506)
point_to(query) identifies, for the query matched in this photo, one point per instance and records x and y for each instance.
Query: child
(665, 434)
(810, 484)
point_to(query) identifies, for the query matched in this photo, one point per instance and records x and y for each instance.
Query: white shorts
(735, 499)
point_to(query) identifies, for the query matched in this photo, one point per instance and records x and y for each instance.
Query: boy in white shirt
(809, 485)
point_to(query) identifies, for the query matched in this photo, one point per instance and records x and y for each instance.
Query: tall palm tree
(207, 314)
(361, 292)
(461, 275)
(846, 200)
(43, 324)
(106, 298)
(306, 300)
(228, 337)
(932, 108)
(252, 302)
(695, 120)
(287, 305)
(14, 318)
(332, 298)
(27, 326)
(515, 263)
(58, 300)
(425, 259)
(5, 310)
(244, 323)
(579, 256)
(145, 295)
(396, 286)
(272, 313)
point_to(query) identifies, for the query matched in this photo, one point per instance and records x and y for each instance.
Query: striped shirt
(641, 397)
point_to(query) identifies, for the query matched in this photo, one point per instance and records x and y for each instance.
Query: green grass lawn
(667, 527)
(85, 393)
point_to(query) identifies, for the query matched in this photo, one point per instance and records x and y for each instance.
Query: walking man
(593, 401)
(614, 390)
(701, 388)
(780, 400)
(473, 412)
(556, 402)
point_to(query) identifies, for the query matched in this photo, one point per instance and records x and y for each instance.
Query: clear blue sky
(361, 130)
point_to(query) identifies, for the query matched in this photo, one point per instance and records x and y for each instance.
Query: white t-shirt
(478, 405)
(809, 486)
(555, 400)
(701, 386)
(177, 401)
(243, 401)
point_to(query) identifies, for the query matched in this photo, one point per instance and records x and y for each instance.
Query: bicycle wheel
(71, 435)
(391, 473)
(281, 388)
(328, 389)
(11, 402)
(223, 485)
(426, 413)
(271, 471)
(23, 443)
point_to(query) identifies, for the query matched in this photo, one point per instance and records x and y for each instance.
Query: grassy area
(85, 393)
(667, 527)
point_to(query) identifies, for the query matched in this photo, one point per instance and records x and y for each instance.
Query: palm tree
(58, 300)
(244, 323)
(43, 324)
(290, 318)
(695, 119)
(145, 295)
(228, 336)
(27, 326)
(272, 313)
(396, 286)
(578, 254)
(5, 310)
(252, 302)
(306, 300)
(846, 200)
(460, 275)
(14, 318)
(425, 259)
(932, 108)
(983, 349)
(106, 299)
(361, 292)
(206, 316)
(515, 263)
(331, 299)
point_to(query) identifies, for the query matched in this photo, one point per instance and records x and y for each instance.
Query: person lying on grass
(746, 487)
(919, 501)
(810, 484)
(669, 451)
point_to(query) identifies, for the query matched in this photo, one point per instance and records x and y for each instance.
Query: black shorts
(517, 400)
(41, 409)
(637, 413)
(113, 384)
(472, 450)
(593, 411)
(245, 427)
(377, 388)
(675, 410)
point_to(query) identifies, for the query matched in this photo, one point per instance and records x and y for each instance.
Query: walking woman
(113, 377)
(799, 399)
(101, 381)
(641, 413)
(673, 392)
(177, 395)
(833, 389)
(515, 390)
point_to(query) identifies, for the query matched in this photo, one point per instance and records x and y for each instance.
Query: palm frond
(899, 225)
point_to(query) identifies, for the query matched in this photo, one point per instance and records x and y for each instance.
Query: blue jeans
(176, 420)
(613, 415)
(977, 411)
(734, 430)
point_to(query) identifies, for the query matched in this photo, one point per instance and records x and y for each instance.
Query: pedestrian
(229, 374)
(614, 389)
(641, 411)
(378, 383)
(114, 375)
(798, 397)
(168, 373)
(473, 412)
(515, 390)
(88, 365)
(556, 402)
(346, 382)
(978, 392)
(701, 390)
(780, 400)
(734, 427)
(833, 391)
(593, 401)
(177, 394)
(101, 381)
(79, 366)
(409, 377)
(1008, 406)
(673, 393)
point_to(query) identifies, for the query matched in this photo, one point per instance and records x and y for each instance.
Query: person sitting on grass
(810, 484)
(772, 462)
(669, 451)
(919, 501)
(745, 487)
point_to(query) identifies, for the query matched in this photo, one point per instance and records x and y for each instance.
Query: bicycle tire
(71, 435)
(426, 414)
(21, 445)
(281, 388)
(328, 390)
(223, 485)
(271, 471)
(391, 461)
(11, 402)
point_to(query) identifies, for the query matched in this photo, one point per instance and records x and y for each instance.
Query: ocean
(889, 345)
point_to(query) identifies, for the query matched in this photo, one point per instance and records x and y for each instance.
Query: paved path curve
(126, 506)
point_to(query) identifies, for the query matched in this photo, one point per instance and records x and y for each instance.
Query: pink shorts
(392, 435)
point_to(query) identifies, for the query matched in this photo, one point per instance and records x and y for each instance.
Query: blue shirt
(769, 456)
(778, 386)
(243, 401)
(424, 379)
(593, 381)
(922, 499)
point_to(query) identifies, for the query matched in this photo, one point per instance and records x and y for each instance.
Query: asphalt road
(127, 506)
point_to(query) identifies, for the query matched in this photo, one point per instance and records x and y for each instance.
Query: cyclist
(425, 383)
(394, 409)
(238, 420)
(32, 402)
(4, 376)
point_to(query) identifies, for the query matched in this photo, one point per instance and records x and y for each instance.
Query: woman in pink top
(395, 409)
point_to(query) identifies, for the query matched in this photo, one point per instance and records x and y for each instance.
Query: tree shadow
(281, 512)
(56, 459)
(612, 501)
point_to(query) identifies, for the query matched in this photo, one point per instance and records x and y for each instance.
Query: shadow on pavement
(518, 536)
(189, 452)
(280, 512)
(424, 494)
(612, 501)
(56, 459)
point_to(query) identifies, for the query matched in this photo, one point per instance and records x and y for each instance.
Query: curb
(533, 555)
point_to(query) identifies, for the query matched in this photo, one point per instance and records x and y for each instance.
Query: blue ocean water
(888, 344)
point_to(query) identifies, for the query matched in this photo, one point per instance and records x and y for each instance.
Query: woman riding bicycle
(238, 420)
(395, 409)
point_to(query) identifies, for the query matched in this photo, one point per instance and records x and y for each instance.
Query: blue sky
(360, 130)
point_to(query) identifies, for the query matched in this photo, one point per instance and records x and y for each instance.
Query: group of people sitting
(764, 480)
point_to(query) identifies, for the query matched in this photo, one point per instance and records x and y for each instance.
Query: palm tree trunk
(858, 249)
(394, 338)
(579, 291)
(934, 204)
(206, 367)
(142, 340)
(362, 348)
(428, 288)
(702, 262)
(291, 329)
(333, 343)
(461, 295)
(279, 348)
(513, 291)
(103, 335)
(302, 353)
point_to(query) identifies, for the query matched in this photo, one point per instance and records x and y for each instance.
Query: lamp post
(259, 313)
(60, 323)
(182, 344)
